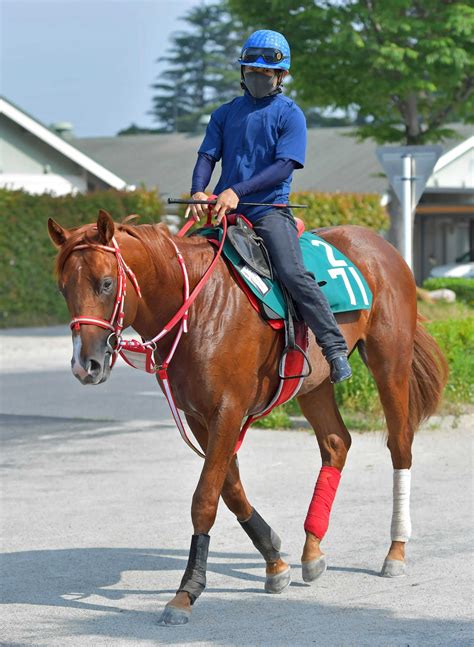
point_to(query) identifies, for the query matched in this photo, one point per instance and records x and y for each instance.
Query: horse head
(92, 282)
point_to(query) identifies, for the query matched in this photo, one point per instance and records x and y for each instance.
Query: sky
(87, 62)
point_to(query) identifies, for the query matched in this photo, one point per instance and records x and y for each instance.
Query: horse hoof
(173, 616)
(279, 582)
(313, 569)
(393, 568)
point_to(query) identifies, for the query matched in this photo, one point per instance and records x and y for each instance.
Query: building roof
(334, 162)
(79, 157)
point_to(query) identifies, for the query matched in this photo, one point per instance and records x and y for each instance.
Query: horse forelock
(84, 235)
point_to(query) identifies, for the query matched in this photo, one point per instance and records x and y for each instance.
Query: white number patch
(342, 272)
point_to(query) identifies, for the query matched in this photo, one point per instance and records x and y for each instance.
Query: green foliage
(456, 340)
(276, 419)
(28, 294)
(358, 399)
(405, 67)
(201, 70)
(328, 209)
(464, 288)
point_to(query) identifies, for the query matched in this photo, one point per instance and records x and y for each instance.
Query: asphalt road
(96, 492)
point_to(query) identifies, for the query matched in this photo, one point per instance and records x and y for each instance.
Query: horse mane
(151, 236)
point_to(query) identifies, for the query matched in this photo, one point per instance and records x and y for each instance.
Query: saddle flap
(248, 247)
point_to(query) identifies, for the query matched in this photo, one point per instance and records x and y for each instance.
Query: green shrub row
(464, 288)
(329, 209)
(359, 394)
(28, 293)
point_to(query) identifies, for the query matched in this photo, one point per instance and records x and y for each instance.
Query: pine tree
(201, 70)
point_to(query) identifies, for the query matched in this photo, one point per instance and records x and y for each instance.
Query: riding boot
(340, 369)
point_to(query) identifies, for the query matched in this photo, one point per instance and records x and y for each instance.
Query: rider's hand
(226, 201)
(199, 211)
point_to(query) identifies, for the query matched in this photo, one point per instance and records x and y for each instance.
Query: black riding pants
(280, 235)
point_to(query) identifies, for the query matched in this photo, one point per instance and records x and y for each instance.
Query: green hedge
(464, 288)
(28, 293)
(328, 209)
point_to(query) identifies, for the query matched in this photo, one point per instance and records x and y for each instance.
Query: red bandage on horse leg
(317, 519)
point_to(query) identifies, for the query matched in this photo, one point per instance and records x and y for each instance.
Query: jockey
(260, 138)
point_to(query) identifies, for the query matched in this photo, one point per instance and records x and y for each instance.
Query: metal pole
(407, 210)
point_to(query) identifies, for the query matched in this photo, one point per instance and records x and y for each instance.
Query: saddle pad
(345, 287)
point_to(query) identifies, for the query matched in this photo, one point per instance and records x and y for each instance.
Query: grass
(452, 325)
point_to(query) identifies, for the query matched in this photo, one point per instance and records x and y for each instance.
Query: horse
(226, 367)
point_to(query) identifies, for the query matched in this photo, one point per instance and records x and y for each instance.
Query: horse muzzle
(90, 368)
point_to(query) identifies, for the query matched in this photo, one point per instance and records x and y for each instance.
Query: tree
(201, 72)
(406, 66)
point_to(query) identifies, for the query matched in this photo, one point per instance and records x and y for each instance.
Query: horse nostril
(93, 367)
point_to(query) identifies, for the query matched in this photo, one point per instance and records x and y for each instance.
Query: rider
(261, 139)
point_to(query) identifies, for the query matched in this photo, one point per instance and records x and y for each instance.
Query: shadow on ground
(67, 578)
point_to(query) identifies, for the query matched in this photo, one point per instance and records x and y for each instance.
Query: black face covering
(259, 85)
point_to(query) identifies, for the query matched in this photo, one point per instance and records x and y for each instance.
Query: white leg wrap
(401, 523)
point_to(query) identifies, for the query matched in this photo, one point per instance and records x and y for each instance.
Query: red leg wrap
(317, 519)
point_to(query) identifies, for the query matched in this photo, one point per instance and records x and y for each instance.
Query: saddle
(252, 251)
(250, 247)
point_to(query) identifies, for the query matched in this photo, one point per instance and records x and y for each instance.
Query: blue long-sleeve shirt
(266, 179)
(249, 136)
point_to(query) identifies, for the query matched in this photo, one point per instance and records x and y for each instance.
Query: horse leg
(222, 437)
(320, 409)
(391, 370)
(265, 540)
(263, 537)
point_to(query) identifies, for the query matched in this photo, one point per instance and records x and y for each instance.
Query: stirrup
(281, 368)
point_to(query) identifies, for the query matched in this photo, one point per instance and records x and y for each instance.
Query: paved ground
(96, 525)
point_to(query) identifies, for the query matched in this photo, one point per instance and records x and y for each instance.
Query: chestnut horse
(226, 368)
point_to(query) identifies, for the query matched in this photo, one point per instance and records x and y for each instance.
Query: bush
(456, 340)
(358, 397)
(464, 288)
(329, 209)
(28, 295)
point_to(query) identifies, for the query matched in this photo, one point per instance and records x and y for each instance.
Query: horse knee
(335, 448)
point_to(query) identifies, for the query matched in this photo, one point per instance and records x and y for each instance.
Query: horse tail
(428, 377)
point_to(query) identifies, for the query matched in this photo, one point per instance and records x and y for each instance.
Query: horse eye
(107, 284)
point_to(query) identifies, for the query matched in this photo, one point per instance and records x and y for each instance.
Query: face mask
(259, 85)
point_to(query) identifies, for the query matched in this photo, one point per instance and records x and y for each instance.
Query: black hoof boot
(340, 369)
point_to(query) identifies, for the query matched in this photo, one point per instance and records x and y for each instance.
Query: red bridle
(115, 323)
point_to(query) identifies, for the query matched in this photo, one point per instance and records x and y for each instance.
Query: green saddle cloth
(345, 287)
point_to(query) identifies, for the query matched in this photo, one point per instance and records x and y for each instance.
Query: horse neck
(153, 260)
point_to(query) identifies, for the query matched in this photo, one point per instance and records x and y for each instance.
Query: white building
(38, 160)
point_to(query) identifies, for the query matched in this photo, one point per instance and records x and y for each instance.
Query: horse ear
(105, 227)
(57, 234)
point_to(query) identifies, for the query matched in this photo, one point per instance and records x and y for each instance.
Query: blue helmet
(266, 48)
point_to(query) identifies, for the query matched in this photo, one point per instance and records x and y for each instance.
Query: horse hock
(268, 544)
